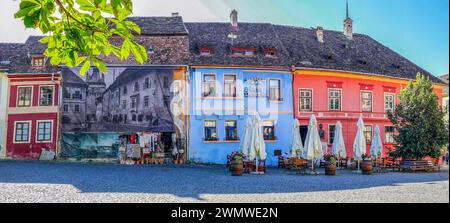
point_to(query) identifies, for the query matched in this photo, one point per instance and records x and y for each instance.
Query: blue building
(235, 71)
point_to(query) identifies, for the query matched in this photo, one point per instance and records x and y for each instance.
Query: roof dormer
(38, 61)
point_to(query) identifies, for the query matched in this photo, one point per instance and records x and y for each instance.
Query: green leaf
(100, 65)
(85, 67)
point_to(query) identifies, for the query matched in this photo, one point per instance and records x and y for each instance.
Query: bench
(417, 165)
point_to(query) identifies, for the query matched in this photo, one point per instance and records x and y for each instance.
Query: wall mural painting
(99, 110)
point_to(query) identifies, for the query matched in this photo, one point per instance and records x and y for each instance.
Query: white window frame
(281, 89)
(340, 99)
(204, 132)
(274, 129)
(371, 133)
(29, 132)
(393, 140)
(312, 99)
(51, 131)
(384, 101)
(53, 96)
(203, 85)
(31, 97)
(361, 98)
(235, 85)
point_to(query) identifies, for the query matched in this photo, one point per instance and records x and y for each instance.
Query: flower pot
(330, 169)
(367, 167)
(236, 168)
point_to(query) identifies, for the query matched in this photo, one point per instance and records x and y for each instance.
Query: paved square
(78, 182)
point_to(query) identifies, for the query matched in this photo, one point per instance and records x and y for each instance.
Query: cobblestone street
(78, 182)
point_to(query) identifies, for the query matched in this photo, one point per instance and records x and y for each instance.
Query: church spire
(346, 9)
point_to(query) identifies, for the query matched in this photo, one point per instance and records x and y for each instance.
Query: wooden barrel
(366, 166)
(236, 168)
(330, 169)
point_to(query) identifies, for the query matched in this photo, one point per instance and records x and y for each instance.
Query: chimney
(175, 14)
(348, 25)
(319, 34)
(234, 18)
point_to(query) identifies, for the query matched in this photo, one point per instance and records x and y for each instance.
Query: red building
(33, 115)
(342, 96)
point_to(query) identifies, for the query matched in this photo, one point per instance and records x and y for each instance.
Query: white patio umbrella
(313, 146)
(376, 149)
(297, 145)
(245, 144)
(338, 147)
(359, 145)
(258, 143)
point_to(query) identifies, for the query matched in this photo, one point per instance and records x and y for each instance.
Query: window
(133, 102)
(275, 90)
(66, 108)
(38, 61)
(136, 86)
(210, 131)
(77, 108)
(125, 90)
(389, 134)
(66, 94)
(209, 85)
(368, 133)
(77, 95)
(231, 130)
(22, 132)
(205, 52)
(46, 96)
(305, 100)
(249, 53)
(269, 130)
(243, 52)
(366, 101)
(389, 102)
(24, 99)
(146, 101)
(124, 104)
(334, 100)
(270, 52)
(331, 133)
(44, 131)
(229, 88)
(146, 83)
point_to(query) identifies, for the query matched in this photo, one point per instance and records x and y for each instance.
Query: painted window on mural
(331, 133)
(255, 87)
(134, 102)
(368, 133)
(231, 130)
(166, 82)
(389, 134)
(389, 102)
(229, 88)
(24, 97)
(44, 131)
(305, 100)
(210, 131)
(77, 95)
(136, 86)
(46, 96)
(124, 104)
(77, 108)
(125, 90)
(334, 100)
(269, 130)
(146, 101)
(366, 101)
(65, 108)
(275, 90)
(209, 85)
(22, 133)
(146, 84)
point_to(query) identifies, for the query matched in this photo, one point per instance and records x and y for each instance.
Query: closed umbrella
(258, 151)
(313, 146)
(376, 149)
(338, 147)
(359, 145)
(297, 145)
(245, 145)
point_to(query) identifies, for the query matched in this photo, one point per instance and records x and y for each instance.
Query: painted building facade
(3, 116)
(33, 115)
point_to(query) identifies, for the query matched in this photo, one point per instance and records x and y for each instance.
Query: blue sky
(417, 29)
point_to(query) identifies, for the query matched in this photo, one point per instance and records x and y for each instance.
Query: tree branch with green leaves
(80, 31)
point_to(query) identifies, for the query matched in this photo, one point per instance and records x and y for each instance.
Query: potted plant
(367, 164)
(236, 165)
(330, 164)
